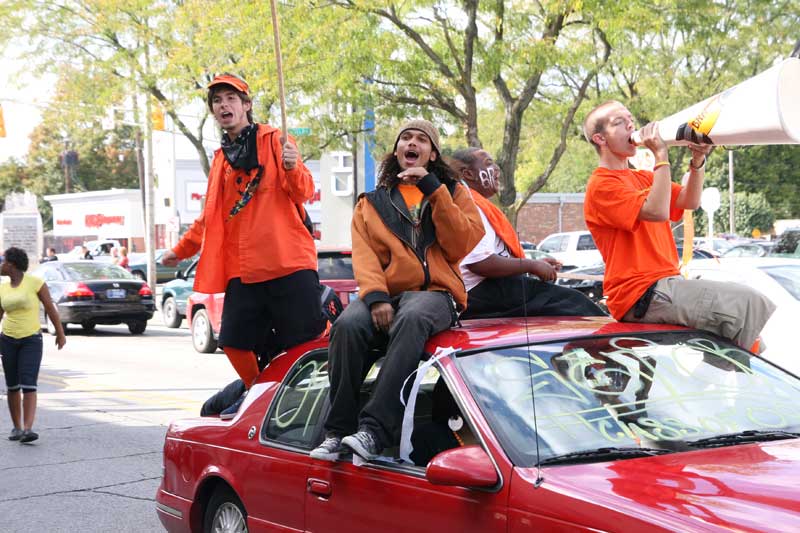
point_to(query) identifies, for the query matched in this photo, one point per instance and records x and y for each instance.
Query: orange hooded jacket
(272, 240)
(385, 259)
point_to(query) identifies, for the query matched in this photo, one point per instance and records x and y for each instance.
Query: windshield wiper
(750, 435)
(602, 454)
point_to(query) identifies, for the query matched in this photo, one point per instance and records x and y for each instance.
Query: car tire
(137, 327)
(138, 274)
(88, 326)
(225, 512)
(169, 311)
(202, 336)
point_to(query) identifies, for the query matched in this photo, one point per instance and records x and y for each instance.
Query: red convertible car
(569, 424)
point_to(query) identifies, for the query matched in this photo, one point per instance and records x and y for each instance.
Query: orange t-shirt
(637, 253)
(413, 198)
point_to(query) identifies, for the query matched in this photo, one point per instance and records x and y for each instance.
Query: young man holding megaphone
(628, 213)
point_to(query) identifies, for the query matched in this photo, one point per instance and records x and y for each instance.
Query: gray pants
(418, 315)
(730, 310)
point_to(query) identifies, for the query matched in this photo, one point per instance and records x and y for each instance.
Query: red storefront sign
(95, 221)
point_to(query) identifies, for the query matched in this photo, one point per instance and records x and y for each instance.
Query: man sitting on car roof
(408, 237)
(495, 270)
(628, 213)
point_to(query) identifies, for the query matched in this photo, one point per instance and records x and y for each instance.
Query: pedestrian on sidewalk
(21, 339)
(255, 245)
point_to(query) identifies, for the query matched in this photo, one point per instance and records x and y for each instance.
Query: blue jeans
(21, 361)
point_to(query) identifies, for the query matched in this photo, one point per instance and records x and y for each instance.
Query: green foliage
(752, 211)
(514, 76)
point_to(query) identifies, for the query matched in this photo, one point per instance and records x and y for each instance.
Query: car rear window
(91, 270)
(335, 266)
(586, 242)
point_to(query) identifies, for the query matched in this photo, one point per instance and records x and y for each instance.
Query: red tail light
(79, 291)
(145, 290)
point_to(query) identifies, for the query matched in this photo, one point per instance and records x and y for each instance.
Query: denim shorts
(21, 361)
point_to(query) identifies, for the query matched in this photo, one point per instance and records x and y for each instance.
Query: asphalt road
(105, 402)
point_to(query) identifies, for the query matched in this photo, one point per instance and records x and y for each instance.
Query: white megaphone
(764, 109)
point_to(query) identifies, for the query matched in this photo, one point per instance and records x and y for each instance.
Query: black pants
(270, 316)
(526, 295)
(418, 315)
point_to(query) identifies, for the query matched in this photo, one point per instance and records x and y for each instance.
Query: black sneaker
(231, 411)
(364, 444)
(329, 450)
(28, 435)
(16, 434)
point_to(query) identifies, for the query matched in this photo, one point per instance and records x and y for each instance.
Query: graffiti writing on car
(635, 389)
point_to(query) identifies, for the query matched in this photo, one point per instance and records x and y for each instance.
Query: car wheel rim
(200, 330)
(169, 309)
(229, 519)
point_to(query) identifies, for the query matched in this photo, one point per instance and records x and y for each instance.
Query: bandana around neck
(241, 152)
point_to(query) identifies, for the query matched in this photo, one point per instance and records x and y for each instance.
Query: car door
(388, 497)
(274, 483)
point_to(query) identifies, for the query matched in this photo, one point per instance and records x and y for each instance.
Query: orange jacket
(273, 242)
(390, 257)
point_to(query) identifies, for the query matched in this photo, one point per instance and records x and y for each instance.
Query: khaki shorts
(730, 310)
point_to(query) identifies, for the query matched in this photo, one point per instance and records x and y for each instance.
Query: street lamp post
(69, 160)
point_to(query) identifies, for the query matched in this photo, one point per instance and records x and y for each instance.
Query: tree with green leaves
(752, 212)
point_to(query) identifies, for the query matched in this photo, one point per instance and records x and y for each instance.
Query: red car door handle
(319, 487)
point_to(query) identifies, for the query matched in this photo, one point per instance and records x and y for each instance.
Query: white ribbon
(408, 414)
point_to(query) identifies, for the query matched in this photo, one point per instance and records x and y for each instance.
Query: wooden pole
(276, 32)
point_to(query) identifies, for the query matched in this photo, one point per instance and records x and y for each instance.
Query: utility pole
(149, 206)
(731, 218)
(69, 160)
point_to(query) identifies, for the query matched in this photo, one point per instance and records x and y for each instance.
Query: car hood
(749, 487)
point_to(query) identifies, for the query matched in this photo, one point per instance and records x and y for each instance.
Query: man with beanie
(495, 271)
(256, 187)
(409, 236)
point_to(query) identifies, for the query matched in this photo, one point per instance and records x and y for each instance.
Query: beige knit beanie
(425, 127)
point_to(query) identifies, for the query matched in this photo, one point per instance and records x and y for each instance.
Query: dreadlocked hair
(390, 168)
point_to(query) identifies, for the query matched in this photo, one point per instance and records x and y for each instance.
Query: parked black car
(91, 293)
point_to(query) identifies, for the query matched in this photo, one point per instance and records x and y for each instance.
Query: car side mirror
(179, 274)
(467, 466)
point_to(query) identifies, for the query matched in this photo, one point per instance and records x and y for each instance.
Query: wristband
(660, 164)
(691, 165)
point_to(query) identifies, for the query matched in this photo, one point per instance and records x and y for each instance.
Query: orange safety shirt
(266, 239)
(637, 253)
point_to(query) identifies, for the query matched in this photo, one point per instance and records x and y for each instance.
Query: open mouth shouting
(411, 157)
(226, 115)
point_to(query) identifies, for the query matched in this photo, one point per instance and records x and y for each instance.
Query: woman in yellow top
(21, 338)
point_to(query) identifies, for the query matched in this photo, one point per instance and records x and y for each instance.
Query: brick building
(548, 213)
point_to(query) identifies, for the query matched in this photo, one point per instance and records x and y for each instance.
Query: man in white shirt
(495, 272)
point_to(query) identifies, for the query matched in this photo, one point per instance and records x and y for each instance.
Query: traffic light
(2, 123)
(157, 117)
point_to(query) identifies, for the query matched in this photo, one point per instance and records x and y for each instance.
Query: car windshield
(91, 270)
(335, 266)
(788, 276)
(656, 390)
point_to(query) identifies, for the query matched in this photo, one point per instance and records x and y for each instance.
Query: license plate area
(115, 294)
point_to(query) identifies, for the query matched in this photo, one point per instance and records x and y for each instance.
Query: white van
(573, 248)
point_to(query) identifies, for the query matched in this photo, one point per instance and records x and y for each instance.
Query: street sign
(709, 202)
(709, 199)
(300, 132)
